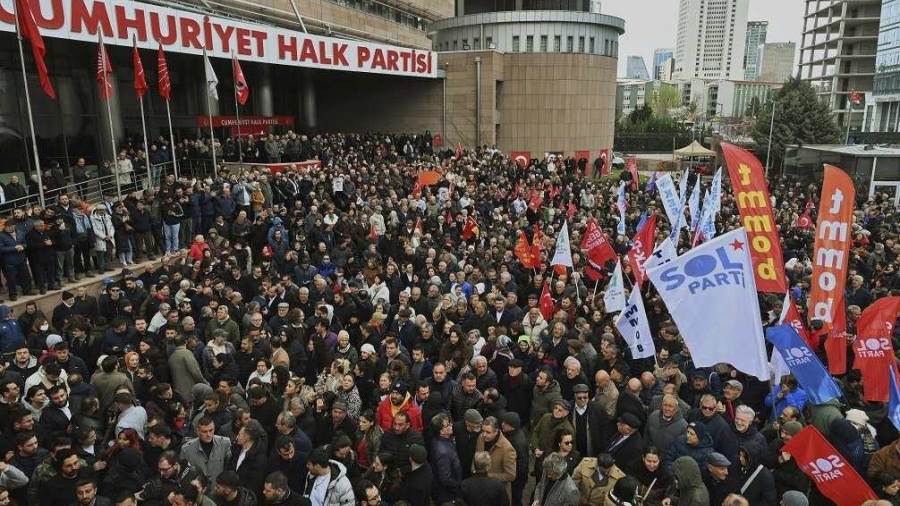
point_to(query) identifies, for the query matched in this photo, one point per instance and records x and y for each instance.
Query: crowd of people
(341, 335)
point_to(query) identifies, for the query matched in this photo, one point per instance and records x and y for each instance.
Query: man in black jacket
(479, 489)
(591, 423)
(398, 441)
(41, 257)
(511, 426)
(417, 485)
(60, 489)
(276, 491)
(56, 417)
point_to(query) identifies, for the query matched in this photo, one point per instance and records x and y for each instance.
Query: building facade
(837, 54)
(884, 115)
(633, 94)
(776, 61)
(722, 98)
(711, 39)
(636, 68)
(661, 58)
(289, 72)
(756, 36)
(530, 80)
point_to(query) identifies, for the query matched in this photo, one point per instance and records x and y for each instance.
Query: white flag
(614, 294)
(635, 328)
(664, 253)
(711, 294)
(716, 191)
(211, 80)
(622, 204)
(776, 361)
(563, 254)
(682, 185)
(669, 196)
(694, 205)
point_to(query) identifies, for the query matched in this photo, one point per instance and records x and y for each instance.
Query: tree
(664, 99)
(800, 118)
(641, 115)
(753, 108)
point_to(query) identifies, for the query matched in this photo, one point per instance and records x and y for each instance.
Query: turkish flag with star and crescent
(241, 90)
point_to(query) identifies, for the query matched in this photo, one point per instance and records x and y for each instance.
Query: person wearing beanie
(417, 483)
(398, 400)
(794, 498)
(694, 442)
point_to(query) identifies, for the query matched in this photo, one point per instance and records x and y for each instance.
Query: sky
(643, 33)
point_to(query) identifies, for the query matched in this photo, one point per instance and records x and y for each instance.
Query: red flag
(631, 165)
(417, 229)
(470, 229)
(598, 250)
(831, 252)
(827, 468)
(162, 68)
(28, 29)
(535, 201)
(521, 158)
(241, 90)
(873, 347)
(836, 338)
(527, 253)
(793, 318)
(104, 72)
(546, 303)
(570, 210)
(140, 80)
(641, 247)
(804, 221)
(449, 218)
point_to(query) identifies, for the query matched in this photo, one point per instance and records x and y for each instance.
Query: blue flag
(894, 401)
(651, 184)
(803, 363)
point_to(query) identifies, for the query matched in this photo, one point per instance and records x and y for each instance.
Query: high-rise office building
(884, 114)
(756, 36)
(636, 68)
(660, 57)
(775, 61)
(711, 38)
(837, 55)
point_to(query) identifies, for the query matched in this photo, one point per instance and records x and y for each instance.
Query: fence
(663, 142)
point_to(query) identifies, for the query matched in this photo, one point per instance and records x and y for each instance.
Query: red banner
(632, 166)
(522, 158)
(832, 249)
(873, 347)
(246, 121)
(437, 141)
(598, 251)
(275, 168)
(752, 194)
(641, 247)
(528, 254)
(604, 162)
(827, 468)
(546, 303)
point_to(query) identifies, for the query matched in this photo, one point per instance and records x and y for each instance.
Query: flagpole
(146, 144)
(237, 114)
(37, 163)
(172, 139)
(212, 137)
(112, 134)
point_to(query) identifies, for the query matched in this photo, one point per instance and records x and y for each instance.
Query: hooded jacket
(761, 491)
(542, 400)
(691, 491)
(339, 491)
(680, 448)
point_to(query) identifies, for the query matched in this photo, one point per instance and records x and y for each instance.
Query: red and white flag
(140, 79)
(641, 248)
(104, 71)
(165, 85)
(241, 90)
(598, 251)
(28, 29)
(827, 468)
(546, 303)
(874, 348)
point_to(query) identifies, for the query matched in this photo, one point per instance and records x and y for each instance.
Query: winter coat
(761, 491)
(680, 448)
(211, 466)
(542, 400)
(662, 433)
(563, 493)
(542, 437)
(592, 492)
(8, 252)
(340, 491)
(185, 372)
(104, 231)
(503, 460)
(447, 470)
(691, 490)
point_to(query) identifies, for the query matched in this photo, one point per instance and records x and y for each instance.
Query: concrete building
(290, 73)
(776, 61)
(837, 54)
(530, 80)
(636, 68)
(633, 94)
(711, 38)
(756, 36)
(665, 70)
(722, 98)
(883, 113)
(661, 57)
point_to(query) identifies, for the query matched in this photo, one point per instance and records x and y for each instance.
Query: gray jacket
(213, 465)
(564, 492)
(660, 433)
(12, 477)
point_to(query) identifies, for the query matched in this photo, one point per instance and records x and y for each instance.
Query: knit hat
(473, 416)
(699, 429)
(512, 419)
(857, 417)
(524, 338)
(792, 428)
(368, 348)
(794, 498)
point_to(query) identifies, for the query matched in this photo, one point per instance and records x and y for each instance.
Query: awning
(694, 149)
